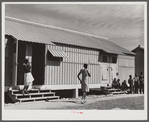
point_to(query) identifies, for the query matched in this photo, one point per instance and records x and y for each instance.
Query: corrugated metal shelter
(57, 55)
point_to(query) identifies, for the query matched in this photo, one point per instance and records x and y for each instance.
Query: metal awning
(58, 53)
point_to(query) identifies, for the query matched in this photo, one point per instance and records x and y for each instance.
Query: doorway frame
(44, 62)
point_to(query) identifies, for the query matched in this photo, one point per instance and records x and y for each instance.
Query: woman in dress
(28, 78)
(84, 81)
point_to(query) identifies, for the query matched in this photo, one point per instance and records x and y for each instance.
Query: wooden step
(38, 98)
(32, 90)
(108, 87)
(120, 92)
(42, 93)
(95, 89)
(110, 90)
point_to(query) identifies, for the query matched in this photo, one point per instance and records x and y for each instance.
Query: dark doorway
(38, 61)
(21, 57)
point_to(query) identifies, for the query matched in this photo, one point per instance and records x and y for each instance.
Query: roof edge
(138, 48)
(54, 27)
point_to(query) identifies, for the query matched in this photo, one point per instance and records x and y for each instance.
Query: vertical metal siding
(55, 73)
(52, 73)
(60, 74)
(63, 76)
(66, 72)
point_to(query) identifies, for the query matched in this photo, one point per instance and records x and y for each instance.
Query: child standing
(28, 78)
(136, 83)
(141, 85)
(130, 81)
(84, 81)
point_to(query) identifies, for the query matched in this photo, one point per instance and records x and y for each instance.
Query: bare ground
(131, 101)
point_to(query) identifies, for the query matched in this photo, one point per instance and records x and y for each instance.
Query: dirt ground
(101, 102)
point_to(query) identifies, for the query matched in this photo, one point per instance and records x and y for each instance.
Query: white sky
(123, 24)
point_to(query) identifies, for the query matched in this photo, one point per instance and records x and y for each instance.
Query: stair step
(13, 90)
(32, 90)
(95, 89)
(108, 87)
(35, 94)
(38, 98)
(113, 90)
(121, 92)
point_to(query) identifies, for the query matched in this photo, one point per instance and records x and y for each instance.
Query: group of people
(116, 83)
(135, 85)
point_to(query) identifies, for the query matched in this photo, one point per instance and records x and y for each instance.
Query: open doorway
(38, 63)
(21, 57)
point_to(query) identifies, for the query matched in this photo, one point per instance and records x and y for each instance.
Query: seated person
(114, 83)
(124, 86)
(118, 84)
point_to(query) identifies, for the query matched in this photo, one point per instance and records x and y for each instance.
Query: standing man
(130, 81)
(141, 85)
(136, 83)
(84, 81)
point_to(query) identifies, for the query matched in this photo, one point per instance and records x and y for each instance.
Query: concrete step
(37, 98)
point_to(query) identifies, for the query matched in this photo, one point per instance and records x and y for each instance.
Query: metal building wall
(65, 72)
(126, 67)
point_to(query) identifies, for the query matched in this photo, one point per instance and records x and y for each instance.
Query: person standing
(84, 81)
(136, 83)
(130, 81)
(28, 78)
(141, 84)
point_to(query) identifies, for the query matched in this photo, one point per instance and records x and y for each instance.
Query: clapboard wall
(65, 72)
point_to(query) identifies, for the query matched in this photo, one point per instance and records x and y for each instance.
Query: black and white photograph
(74, 60)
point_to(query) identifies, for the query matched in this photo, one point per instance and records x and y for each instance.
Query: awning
(58, 53)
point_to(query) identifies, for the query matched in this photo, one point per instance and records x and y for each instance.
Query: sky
(123, 23)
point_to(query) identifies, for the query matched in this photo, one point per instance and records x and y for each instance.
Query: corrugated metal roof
(58, 53)
(25, 32)
(34, 32)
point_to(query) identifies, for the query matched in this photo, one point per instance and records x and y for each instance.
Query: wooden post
(15, 63)
(75, 93)
(45, 67)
